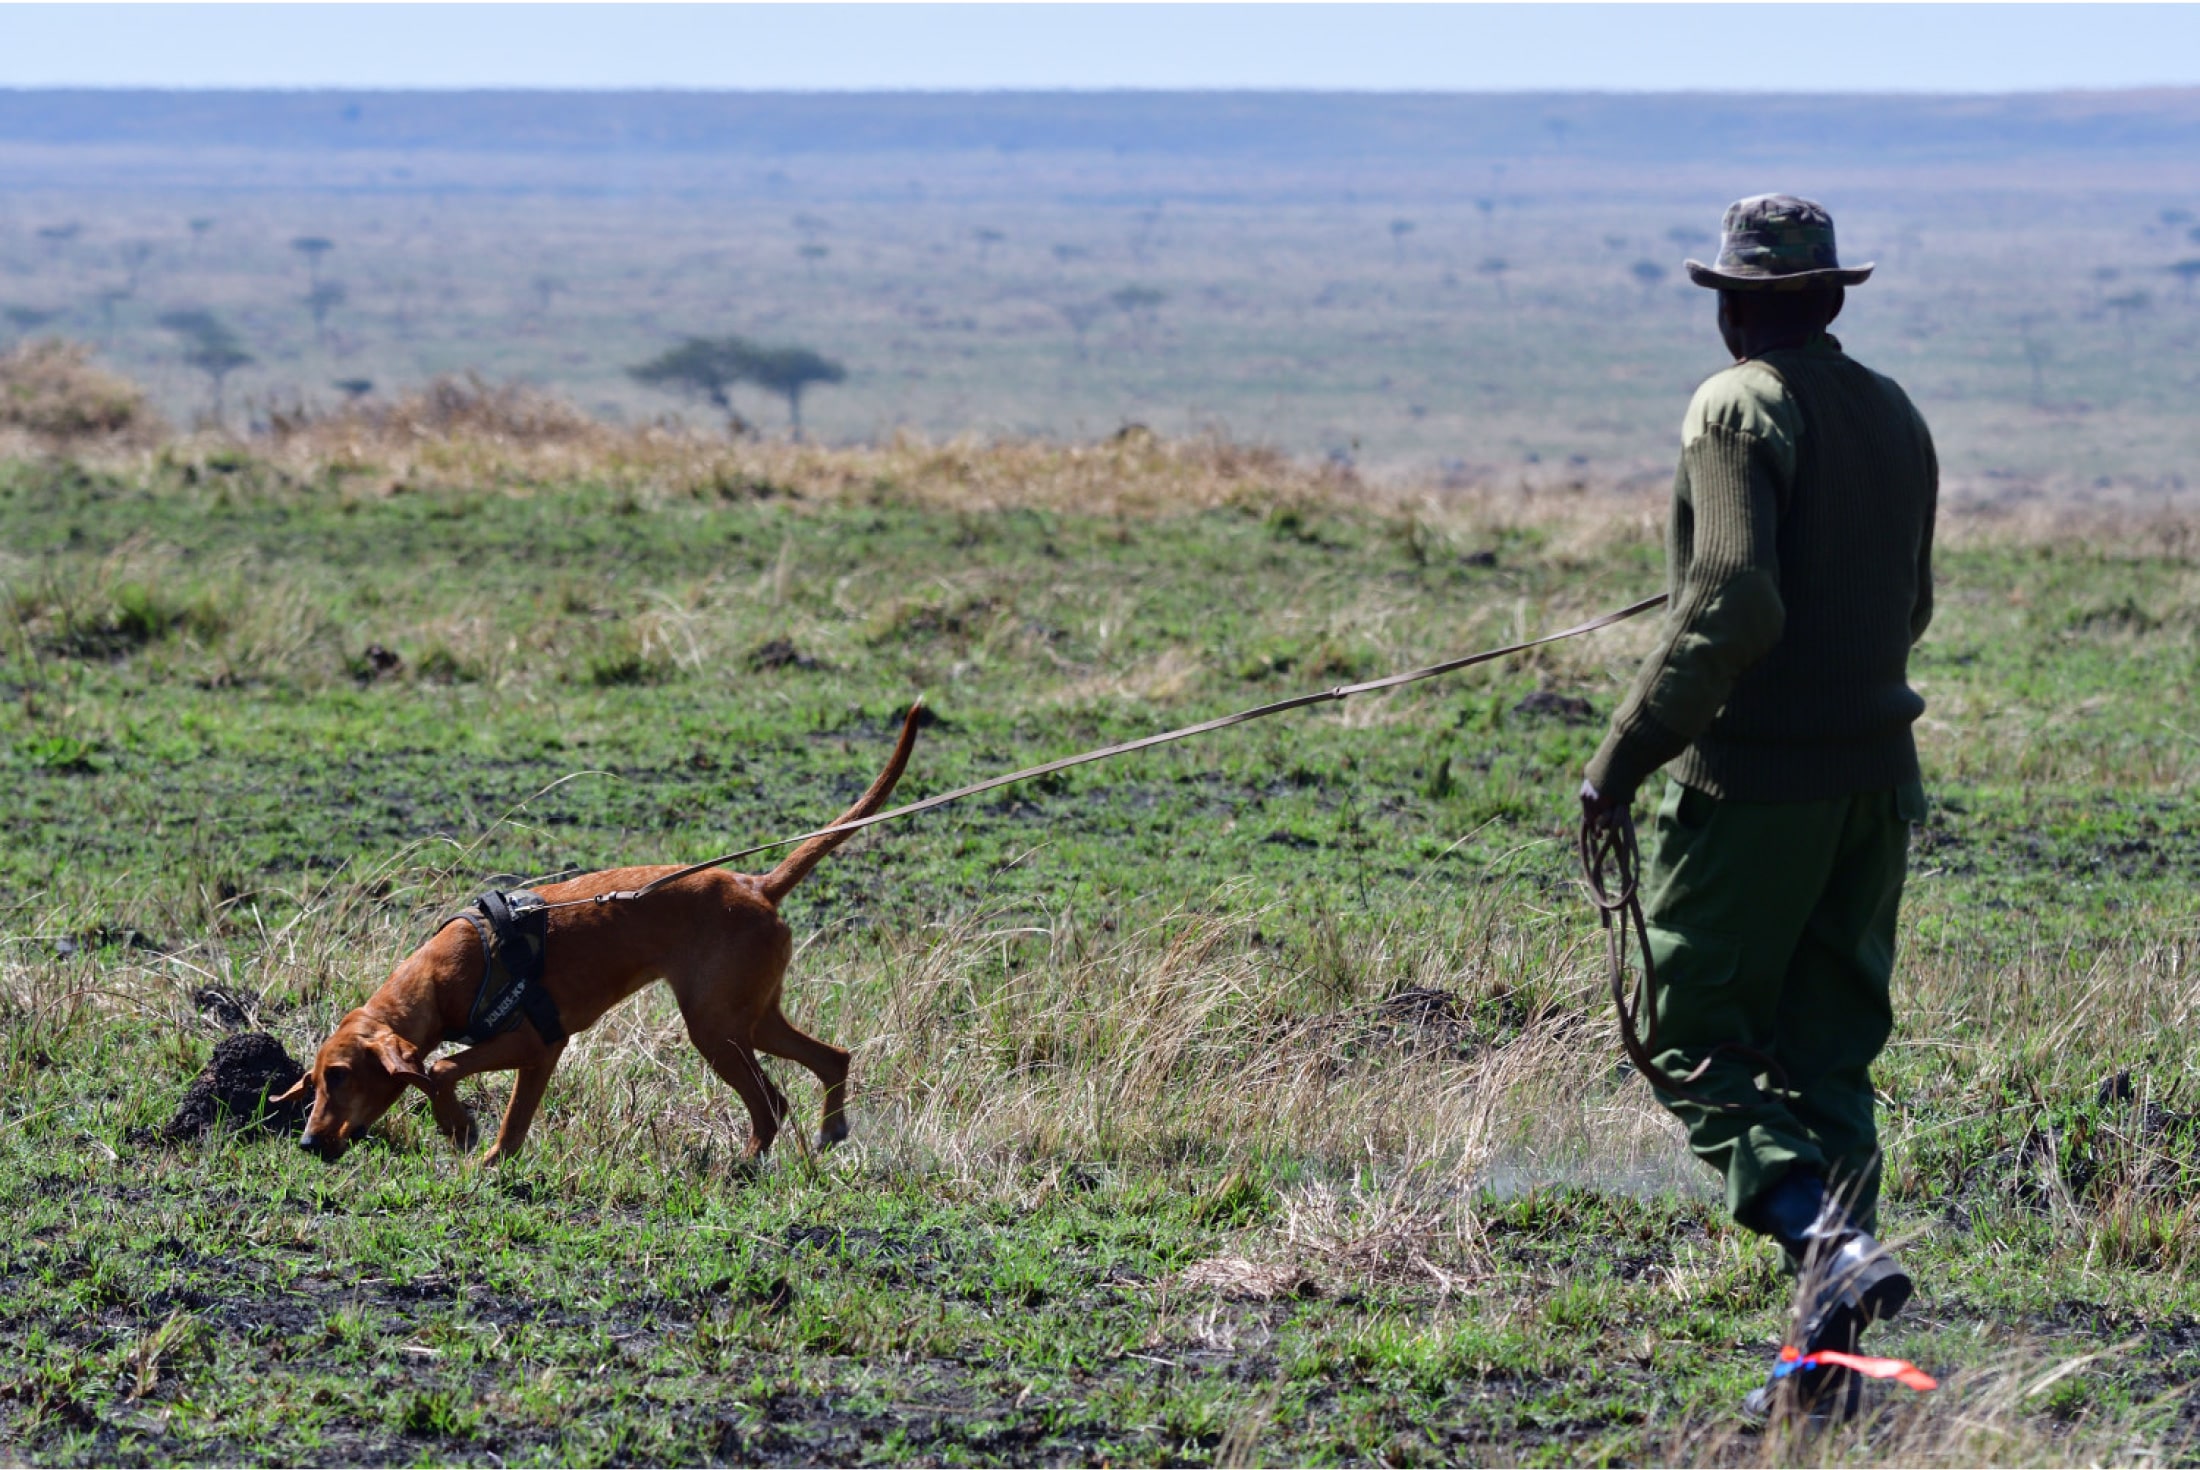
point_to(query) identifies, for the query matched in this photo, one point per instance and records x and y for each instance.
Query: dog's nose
(310, 1144)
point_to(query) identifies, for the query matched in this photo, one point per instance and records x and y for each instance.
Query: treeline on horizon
(1330, 127)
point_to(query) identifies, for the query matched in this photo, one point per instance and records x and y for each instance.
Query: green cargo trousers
(1772, 924)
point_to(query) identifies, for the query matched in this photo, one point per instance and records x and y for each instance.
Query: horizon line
(430, 89)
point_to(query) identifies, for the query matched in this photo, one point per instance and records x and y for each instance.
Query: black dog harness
(513, 928)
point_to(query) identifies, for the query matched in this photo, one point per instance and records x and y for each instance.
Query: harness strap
(512, 928)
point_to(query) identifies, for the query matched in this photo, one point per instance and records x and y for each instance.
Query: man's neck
(1759, 344)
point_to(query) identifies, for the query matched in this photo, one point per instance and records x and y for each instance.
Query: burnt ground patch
(2102, 837)
(405, 1318)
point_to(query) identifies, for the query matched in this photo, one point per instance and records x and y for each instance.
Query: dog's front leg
(514, 1049)
(519, 1113)
(453, 1119)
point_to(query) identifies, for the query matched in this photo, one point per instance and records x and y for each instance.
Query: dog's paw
(832, 1133)
(455, 1121)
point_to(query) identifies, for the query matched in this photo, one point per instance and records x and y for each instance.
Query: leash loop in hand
(1611, 868)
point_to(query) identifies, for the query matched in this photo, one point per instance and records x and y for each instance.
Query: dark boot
(1846, 1281)
(1822, 1395)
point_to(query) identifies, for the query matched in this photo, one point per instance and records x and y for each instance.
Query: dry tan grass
(53, 398)
(468, 435)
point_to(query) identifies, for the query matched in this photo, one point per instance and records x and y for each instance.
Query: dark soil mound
(1551, 705)
(781, 654)
(245, 1070)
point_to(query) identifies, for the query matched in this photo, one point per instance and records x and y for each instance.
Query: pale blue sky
(1970, 48)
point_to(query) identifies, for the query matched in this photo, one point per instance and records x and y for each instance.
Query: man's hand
(1599, 811)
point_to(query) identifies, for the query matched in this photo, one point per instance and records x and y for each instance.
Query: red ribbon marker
(1909, 1375)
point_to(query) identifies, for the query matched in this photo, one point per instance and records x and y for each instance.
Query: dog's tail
(781, 880)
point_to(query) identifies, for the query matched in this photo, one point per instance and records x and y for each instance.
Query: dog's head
(358, 1073)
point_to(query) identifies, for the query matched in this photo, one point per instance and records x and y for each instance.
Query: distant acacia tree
(1399, 229)
(789, 372)
(199, 225)
(2187, 273)
(811, 254)
(313, 248)
(1648, 274)
(1137, 301)
(26, 319)
(546, 289)
(408, 298)
(2127, 306)
(1081, 315)
(1142, 236)
(324, 298)
(353, 389)
(2038, 351)
(987, 238)
(209, 346)
(705, 368)
(1495, 267)
(133, 254)
(109, 298)
(709, 367)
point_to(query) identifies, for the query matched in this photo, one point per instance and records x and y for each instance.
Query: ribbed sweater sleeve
(1921, 611)
(1726, 612)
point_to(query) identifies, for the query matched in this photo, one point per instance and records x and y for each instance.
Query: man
(1799, 562)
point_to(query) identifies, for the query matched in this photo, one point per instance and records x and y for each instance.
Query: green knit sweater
(1799, 558)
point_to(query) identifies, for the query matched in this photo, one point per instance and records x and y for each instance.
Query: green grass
(1310, 1006)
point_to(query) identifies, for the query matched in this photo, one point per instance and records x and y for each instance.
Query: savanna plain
(1250, 1100)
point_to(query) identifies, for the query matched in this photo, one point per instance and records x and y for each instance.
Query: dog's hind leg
(828, 1063)
(714, 1036)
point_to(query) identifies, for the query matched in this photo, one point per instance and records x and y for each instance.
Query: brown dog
(715, 937)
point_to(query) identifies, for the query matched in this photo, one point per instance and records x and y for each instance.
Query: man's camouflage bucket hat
(1776, 242)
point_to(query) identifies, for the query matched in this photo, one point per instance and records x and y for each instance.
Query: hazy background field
(1415, 283)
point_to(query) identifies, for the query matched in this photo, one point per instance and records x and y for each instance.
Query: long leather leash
(1611, 867)
(1204, 727)
(1611, 862)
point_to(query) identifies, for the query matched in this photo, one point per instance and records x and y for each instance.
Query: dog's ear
(400, 1058)
(302, 1088)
